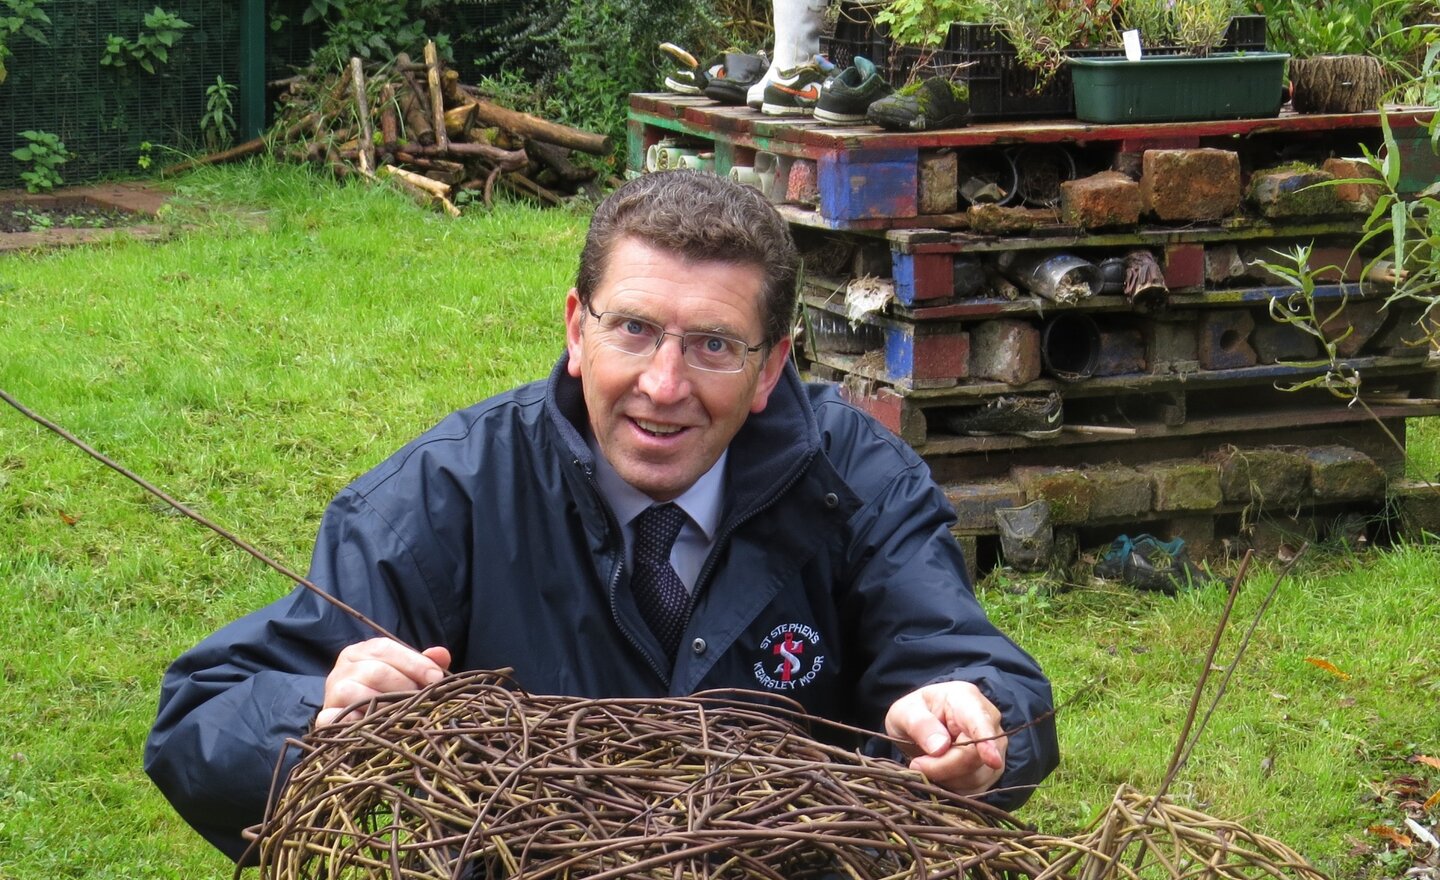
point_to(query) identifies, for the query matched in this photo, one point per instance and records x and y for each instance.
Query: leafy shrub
(44, 153)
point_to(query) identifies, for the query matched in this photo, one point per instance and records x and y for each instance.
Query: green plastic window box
(1241, 85)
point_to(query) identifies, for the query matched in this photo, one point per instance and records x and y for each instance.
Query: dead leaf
(1431, 802)
(1346, 702)
(1328, 667)
(1426, 760)
(67, 519)
(1390, 834)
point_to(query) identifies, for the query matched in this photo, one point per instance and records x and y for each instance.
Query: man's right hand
(379, 666)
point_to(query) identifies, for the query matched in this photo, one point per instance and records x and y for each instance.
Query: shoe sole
(1047, 434)
(784, 110)
(681, 88)
(834, 118)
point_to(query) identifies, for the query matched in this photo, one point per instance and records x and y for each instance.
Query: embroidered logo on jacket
(791, 658)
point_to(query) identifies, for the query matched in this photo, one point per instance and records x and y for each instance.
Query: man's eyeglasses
(712, 352)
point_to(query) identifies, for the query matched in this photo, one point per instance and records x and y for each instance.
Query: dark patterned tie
(658, 590)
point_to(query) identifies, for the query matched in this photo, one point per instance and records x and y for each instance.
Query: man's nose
(666, 377)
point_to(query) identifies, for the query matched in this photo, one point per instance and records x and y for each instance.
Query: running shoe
(845, 98)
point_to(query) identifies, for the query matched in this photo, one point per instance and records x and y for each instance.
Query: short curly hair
(700, 217)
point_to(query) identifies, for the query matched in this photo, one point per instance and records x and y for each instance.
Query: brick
(880, 182)
(1186, 185)
(923, 276)
(888, 407)
(1224, 339)
(938, 193)
(1102, 200)
(975, 501)
(1005, 350)
(1119, 491)
(802, 186)
(1274, 342)
(1342, 474)
(1357, 197)
(1292, 191)
(1069, 491)
(1185, 267)
(1184, 484)
(1417, 506)
(927, 356)
(1265, 476)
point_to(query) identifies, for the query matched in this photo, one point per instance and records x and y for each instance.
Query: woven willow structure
(473, 778)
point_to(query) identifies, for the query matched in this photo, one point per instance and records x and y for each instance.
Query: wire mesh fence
(105, 114)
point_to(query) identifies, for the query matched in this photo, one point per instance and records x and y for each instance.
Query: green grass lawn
(297, 333)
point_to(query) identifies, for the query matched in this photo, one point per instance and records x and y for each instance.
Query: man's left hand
(937, 721)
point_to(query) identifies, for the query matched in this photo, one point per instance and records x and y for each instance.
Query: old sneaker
(928, 105)
(689, 77)
(845, 98)
(739, 72)
(1035, 417)
(794, 92)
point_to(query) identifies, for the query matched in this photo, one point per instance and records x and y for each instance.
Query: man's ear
(770, 372)
(574, 315)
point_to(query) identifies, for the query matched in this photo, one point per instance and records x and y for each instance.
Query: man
(812, 558)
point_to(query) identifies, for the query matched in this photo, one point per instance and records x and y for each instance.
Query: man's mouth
(658, 429)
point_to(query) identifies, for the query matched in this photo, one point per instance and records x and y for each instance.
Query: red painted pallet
(862, 178)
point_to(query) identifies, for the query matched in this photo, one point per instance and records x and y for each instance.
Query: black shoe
(924, 106)
(734, 79)
(845, 98)
(1148, 563)
(1038, 418)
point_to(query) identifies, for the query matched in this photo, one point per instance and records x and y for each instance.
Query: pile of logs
(419, 126)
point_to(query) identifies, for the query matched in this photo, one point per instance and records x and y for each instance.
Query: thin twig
(181, 508)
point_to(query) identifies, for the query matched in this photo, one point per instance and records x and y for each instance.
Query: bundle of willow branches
(473, 778)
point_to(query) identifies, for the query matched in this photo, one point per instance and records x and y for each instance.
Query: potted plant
(1336, 65)
(1189, 80)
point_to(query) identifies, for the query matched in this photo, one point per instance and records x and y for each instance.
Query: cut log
(249, 148)
(389, 118)
(459, 120)
(541, 129)
(437, 101)
(362, 112)
(519, 183)
(450, 87)
(433, 191)
(417, 121)
(557, 159)
(508, 160)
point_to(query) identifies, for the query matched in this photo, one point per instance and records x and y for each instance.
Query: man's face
(660, 422)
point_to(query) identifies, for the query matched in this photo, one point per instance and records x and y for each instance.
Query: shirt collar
(703, 502)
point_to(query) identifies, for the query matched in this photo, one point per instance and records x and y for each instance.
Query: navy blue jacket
(834, 581)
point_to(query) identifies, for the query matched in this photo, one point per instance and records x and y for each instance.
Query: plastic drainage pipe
(1070, 347)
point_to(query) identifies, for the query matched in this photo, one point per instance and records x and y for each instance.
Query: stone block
(1005, 350)
(1224, 339)
(938, 194)
(1417, 506)
(1102, 200)
(1069, 491)
(1119, 491)
(975, 501)
(1338, 473)
(998, 220)
(1186, 185)
(1262, 475)
(1358, 197)
(1223, 263)
(1171, 343)
(1184, 484)
(1122, 351)
(1354, 325)
(1292, 191)
(1274, 342)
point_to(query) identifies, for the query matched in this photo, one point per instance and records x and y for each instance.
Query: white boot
(797, 40)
